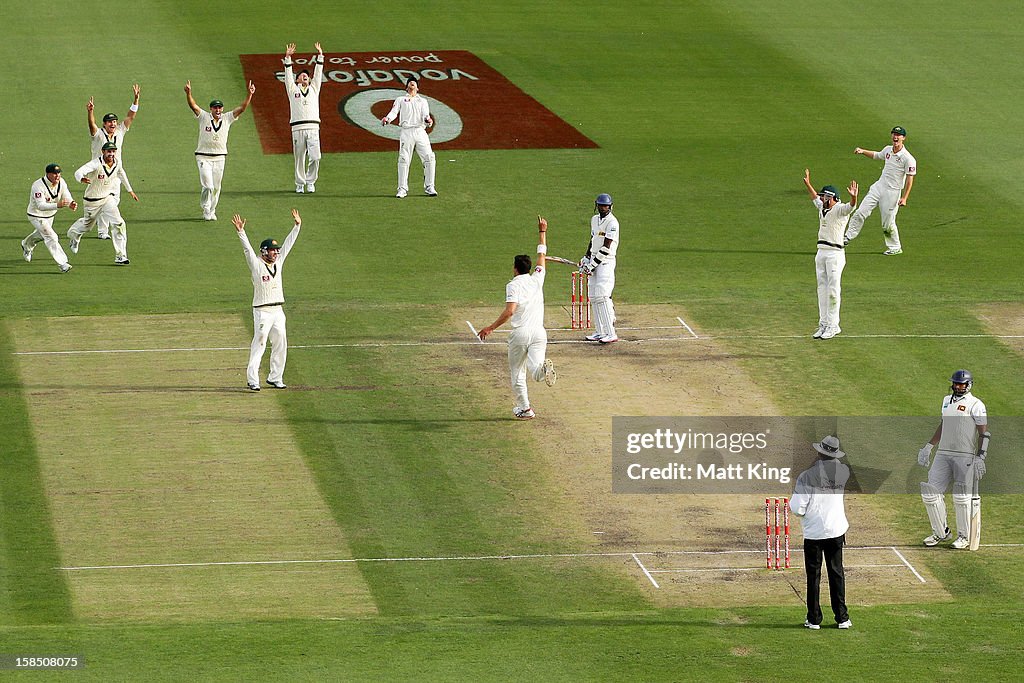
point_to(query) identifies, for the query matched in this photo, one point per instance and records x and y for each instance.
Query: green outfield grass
(705, 114)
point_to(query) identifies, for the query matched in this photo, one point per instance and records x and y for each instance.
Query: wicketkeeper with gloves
(962, 438)
(599, 265)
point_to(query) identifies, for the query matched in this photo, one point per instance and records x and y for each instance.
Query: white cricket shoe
(830, 332)
(401, 194)
(593, 337)
(277, 384)
(74, 245)
(609, 339)
(121, 261)
(813, 627)
(961, 543)
(892, 252)
(102, 235)
(299, 189)
(310, 188)
(845, 624)
(65, 268)
(26, 252)
(524, 413)
(550, 376)
(935, 539)
(820, 331)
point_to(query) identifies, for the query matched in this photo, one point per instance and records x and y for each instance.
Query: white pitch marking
(475, 333)
(460, 558)
(647, 573)
(683, 323)
(755, 569)
(909, 566)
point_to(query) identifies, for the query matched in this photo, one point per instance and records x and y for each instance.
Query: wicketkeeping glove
(924, 455)
(979, 467)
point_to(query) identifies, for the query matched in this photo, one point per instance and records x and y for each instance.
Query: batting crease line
(467, 558)
(647, 573)
(909, 566)
(754, 569)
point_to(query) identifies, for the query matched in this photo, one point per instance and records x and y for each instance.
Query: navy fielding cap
(53, 168)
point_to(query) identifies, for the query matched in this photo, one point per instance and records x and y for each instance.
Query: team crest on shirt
(38, 195)
(267, 278)
(961, 408)
(208, 129)
(101, 177)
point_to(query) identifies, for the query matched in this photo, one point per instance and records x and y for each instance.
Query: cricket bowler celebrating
(889, 192)
(267, 303)
(112, 131)
(962, 438)
(304, 117)
(528, 343)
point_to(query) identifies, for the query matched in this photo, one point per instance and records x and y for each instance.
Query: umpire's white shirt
(267, 285)
(818, 499)
(527, 291)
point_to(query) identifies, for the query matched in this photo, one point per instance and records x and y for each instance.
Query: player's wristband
(134, 107)
(542, 248)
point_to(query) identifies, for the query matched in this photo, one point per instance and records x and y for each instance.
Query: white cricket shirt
(832, 225)
(304, 103)
(898, 165)
(818, 497)
(412, 112)
(101, 138)
(527, 291)
(213, 135)
(960, 415)
(43, 197)
(104, 181)
(601, 228)
(267, 284)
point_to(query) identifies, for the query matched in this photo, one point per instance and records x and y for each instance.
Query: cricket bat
(975, 530)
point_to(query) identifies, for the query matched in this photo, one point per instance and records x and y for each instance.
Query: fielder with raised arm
(212, 148)
(528, 343)
(304, 105)
(268, 319)
(112, 131)
(962, 438)
(599, 265)
(831, 257)
(890, 191)
(103, 177)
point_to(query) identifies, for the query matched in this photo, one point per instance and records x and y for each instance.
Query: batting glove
(924, 455)
(979, 467)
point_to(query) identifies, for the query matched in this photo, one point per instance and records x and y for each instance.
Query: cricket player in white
(103, 177)
(413, 114)
(889, 192)
(212, 148)
(599, 265)
(962, 438)
(48, 194)
(304, 103)
(831, 258)
(112, 131)
(268, 319)
(528, 342)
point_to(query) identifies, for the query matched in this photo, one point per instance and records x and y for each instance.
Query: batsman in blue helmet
(961, 444)
(831, 257)
(599, 265)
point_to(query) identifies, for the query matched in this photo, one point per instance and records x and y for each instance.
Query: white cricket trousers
(888, 202)
(268, 325)
(945, 470)
(599, 288)
(105, 210)
(44, 233)
(415, 139)
(211, 173)
(527, 349)
(829, 264)
(306, 147)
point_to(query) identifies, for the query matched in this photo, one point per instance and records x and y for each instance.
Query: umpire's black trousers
(831, 549)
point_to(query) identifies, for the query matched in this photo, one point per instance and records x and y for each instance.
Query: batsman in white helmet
(599, 264)
(962, 438)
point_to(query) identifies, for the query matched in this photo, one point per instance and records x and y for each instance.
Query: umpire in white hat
(818, 501)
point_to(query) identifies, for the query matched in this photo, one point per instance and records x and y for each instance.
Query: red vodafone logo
(470, 103)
